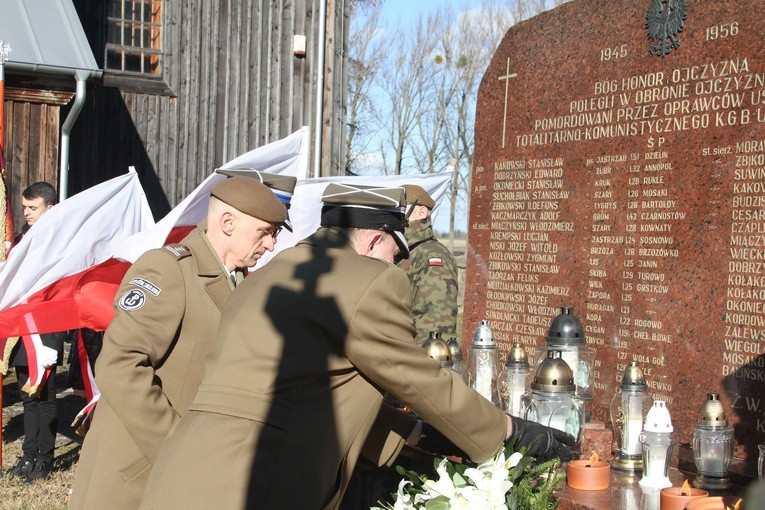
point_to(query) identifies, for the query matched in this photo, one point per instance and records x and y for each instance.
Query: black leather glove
(543, 443)
(432, 441)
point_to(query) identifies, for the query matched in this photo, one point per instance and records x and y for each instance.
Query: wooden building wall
(31, 141)
(230, 84)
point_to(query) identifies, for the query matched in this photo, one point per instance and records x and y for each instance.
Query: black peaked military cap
(371, 207)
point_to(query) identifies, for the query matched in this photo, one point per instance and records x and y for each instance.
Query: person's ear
(226, 222)
(420, 213)
(372, 241)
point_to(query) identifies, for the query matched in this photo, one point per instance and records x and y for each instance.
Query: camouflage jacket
(432, 272)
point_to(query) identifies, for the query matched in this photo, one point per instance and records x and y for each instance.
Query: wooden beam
(38, 96)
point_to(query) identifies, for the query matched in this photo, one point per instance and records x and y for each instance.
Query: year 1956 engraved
(607, 54)
(722, 31)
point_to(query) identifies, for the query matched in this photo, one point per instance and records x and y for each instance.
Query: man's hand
(543, 443)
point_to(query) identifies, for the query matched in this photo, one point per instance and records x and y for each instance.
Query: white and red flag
(56, 276)
(65, 272)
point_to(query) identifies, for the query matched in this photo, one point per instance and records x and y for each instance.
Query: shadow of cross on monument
(506, 77)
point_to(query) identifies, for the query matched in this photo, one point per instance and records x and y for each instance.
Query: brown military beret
(415, 193)
(251, 197)
(283, 186)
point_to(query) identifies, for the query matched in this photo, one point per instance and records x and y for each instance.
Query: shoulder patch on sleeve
(435, 261)
(146, 285)
(132, 300)
(180, 251)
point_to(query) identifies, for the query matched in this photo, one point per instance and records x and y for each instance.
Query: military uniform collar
(208, 262)
(418, 231)
(209, 266)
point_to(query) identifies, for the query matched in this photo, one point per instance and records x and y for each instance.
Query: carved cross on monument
(506, 77)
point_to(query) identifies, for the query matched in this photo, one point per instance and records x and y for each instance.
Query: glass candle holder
(712, 446)
(552, 400)
(483, 364)
(514, 380)
(566, 335)
(761, 462)
(438, 349)
(629, 408)
(456, 350)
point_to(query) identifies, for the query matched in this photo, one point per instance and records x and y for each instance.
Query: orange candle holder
(710, 503)
(676, 498)
(588, 475)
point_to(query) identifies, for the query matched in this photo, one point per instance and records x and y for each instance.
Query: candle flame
(593, 458)
(738, 504)
(685, 490)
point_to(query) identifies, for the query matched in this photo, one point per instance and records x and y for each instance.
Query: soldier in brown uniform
(306, 348)
(166, 314)
(431, 269)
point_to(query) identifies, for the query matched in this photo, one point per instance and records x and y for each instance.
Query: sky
(410, 9)
(407, 11)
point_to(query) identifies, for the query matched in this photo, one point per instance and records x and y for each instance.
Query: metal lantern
(438, 349)
(552, 400)
(456, 349)
(629, 408)
(712, 446)
(566, 335)
(513, 380)
(483, 364)
(657, 443)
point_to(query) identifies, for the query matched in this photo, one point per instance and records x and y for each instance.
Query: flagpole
(5, 51)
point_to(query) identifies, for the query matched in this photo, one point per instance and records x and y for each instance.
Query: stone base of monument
(597, 438)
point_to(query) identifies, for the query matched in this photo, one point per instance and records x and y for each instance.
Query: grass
(51, 494)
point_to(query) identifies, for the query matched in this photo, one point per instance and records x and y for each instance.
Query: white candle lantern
(712, 446)
(629, 408)
(483, 364)
(657, 443)
(513, 380)
(552, 400)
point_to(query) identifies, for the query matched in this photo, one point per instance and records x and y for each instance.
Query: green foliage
(525, 484)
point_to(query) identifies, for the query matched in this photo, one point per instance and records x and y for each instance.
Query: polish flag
(66, 271)
(56, 276)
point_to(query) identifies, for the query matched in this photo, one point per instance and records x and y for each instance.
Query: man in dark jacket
(40, 410)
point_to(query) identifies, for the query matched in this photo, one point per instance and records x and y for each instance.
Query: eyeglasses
(273, 232)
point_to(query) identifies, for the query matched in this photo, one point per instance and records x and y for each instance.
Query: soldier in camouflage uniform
(431, 269)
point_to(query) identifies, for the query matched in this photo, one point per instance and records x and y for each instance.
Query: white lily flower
(484, 487)
(471, 498)
(444, 486)
(403, 498)
(513, 460)
(491, 478)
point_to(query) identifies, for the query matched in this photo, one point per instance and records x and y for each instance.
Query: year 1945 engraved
(722, 31)
(607, 54)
